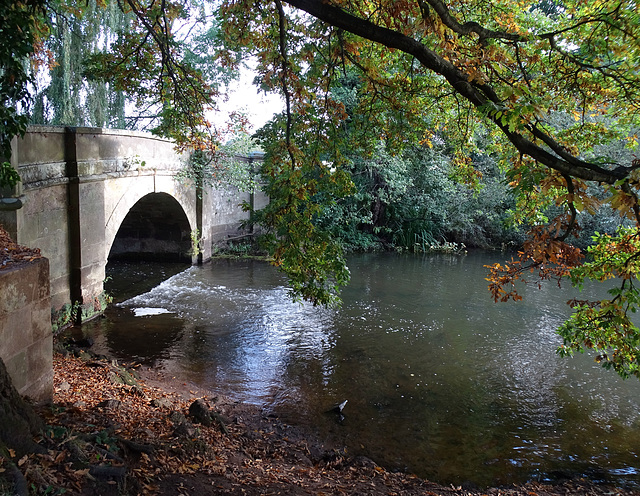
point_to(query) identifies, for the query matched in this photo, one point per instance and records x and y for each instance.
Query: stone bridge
(90, 195)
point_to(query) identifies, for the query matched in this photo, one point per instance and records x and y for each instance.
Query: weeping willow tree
(64, 94)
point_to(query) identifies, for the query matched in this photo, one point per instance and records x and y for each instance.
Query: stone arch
(156, 227)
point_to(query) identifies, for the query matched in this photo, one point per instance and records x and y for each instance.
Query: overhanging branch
(479, 94)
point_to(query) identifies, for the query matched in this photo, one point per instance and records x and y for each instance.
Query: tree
(18, 24)
(516, 68)
(63, 95)
(411, 198)
(161, 64)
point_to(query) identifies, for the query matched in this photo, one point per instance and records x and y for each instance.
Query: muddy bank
(112, 433)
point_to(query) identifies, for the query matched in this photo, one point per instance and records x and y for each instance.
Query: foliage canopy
(17, 27)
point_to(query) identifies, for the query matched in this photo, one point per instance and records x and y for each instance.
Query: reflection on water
(440, 380)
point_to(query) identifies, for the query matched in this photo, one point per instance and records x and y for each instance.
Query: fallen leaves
(13, 253)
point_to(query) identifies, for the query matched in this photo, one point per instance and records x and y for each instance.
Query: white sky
(246, 97)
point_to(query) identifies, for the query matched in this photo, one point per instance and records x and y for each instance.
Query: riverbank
(110, 435)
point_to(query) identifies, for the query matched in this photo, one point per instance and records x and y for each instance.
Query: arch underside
(156, 228)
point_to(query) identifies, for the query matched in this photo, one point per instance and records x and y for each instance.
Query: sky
(246, 97)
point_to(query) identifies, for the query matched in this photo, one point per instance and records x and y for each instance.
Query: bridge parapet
(43, 155)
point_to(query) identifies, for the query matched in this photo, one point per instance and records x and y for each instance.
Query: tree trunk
(378, 206)
(19, 422)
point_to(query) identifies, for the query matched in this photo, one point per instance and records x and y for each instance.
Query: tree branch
(470, 27)
(282, 28)
(481, 95)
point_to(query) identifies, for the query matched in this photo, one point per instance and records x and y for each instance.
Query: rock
(301, 459)
(64, 386)
(96, 364)
(137, 447)
(252, 435)
(82, 355)
(59, 347)
(177, 417)
(162, 403)
(107, 472)
(137, 391)
(363, 461)
(185, 429)
(110, 404)
(128, 376)
(199, 412)
(338, 407)
(316, 452)
(119, 375)
(115, 378)
(86, 342)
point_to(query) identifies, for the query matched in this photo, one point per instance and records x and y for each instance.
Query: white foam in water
(143, 312)
(183, 294)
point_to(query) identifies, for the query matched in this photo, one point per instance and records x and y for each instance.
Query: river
(440, 381)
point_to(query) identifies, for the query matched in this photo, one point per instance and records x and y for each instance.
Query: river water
(440, 381)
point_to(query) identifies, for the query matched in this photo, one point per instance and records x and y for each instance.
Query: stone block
(41, 320)
(17, 367)
(54, 198)
(20, 285)
(25, 328)
(60, 284)
(41, 389)
(87, 145)
(12, 331)
(42, 174)
(9, 221)
(15, 292)
(58, 266)
(51, 223)
(28, 229)
(261, 200)
(92, 279)
(58, 300)
(94, 254)
(41, 145)
(91, 195)
(39, 359)
(88, 169)
(42, 280)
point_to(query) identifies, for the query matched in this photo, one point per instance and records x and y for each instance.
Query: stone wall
(222, 211)
(26, 341)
